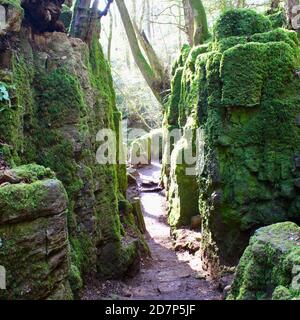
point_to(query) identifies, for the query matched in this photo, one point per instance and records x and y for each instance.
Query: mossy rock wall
(180, 129)
(34, 246)
(270, 266)
(60, 95)
(242, 93)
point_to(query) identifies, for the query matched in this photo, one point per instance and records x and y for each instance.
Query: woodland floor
(168, 274)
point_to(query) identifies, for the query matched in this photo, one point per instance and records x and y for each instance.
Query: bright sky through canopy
(102, 4)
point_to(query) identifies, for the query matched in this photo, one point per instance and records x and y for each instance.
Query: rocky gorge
(67, 221)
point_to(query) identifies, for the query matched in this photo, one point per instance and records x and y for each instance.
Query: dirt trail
(168, 275)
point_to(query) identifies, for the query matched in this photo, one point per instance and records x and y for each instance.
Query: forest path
(167, 275)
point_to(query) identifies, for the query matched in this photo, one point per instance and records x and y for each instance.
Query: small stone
(8, 176)
(200, 276)
(196, 222)
(227, 289)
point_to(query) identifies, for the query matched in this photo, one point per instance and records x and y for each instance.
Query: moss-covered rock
(60, 95)
(270, 266)
(34, 237)
(247, 106)
(242, 22)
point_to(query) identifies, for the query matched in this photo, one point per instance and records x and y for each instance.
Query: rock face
(34, 237)
(60, 94)
(270, 266)
(245, 106)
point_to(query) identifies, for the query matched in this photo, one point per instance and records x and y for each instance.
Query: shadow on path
(168, 275)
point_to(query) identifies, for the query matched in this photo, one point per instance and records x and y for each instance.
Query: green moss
(282, 293)
(116, 258)
(13, 112)
(180, 61)
(242, 22)
(32, 173)
(15, 3)
(59, 98)
(278, 18)
(266, 269)
(247, 106)
(19, 200)
(173, 107)
(27, 263)
(276, 35)
(183, 191)
(75, 278)
(245, 68)
(194, 70)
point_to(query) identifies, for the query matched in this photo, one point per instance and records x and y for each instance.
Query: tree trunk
(80, 20)
(69, 3)
(292, 12)
(149, 75)
(154, 61)
(201, 33)
(86, 19)
(189, 21)
(110, 36)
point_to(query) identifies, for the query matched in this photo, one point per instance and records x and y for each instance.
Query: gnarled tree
(86, 17)
(151, 69)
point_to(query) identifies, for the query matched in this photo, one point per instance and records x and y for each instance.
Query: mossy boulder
(246, 106)
(34, 237)
(242, 22)
(270, 266)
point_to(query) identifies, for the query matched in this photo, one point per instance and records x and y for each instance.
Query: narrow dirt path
(169, 275)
